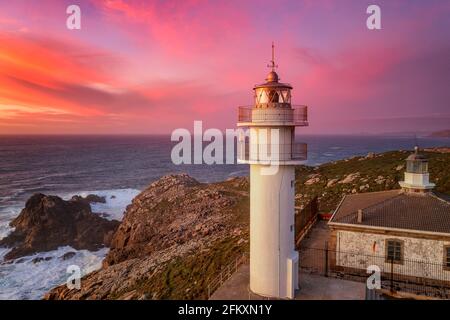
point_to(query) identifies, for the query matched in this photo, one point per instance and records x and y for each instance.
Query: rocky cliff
(174, 238)
(48, 222)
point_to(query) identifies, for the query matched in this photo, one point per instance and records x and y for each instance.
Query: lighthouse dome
(272, 77)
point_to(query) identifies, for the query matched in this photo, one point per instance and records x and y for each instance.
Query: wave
(32, 276)
(116, 201)
(237, 173)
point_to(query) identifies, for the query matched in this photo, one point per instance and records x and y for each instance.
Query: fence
(409, 276)
(305, 219)
(226, 273)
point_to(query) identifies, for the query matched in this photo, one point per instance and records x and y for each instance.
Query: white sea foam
(6, 215)
(116, 201)
(25, 279)
(237, 173)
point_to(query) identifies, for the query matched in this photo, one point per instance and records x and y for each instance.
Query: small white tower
(416, 174)
(272, 153)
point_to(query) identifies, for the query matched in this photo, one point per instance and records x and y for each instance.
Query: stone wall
(423, 258)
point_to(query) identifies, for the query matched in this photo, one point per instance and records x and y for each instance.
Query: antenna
(416, 143)
(272, 62)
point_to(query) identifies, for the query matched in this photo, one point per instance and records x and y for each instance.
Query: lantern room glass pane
(285, 95)
(417, 166)
(273, 95)
(261, 96)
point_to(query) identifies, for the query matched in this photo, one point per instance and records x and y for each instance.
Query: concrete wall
(370, 249)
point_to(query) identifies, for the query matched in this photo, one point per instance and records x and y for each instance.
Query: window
(394, 251)
(447, 257)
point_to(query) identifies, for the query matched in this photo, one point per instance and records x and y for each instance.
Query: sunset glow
(152, 66)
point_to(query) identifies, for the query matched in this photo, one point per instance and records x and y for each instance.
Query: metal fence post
(326, 258)
(392, 274)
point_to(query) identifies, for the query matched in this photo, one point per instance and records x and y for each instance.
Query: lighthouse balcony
(282, 154)
(277, 115)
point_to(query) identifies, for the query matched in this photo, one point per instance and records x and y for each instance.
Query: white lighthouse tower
(272, 153)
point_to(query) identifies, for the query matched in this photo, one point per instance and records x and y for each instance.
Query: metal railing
(298, 115)
(226, 273)
(271, 152)
(409, 276)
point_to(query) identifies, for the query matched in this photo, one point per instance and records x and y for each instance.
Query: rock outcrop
(174, 237)
(48, 222)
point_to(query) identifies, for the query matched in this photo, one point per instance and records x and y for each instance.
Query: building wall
(361, 249)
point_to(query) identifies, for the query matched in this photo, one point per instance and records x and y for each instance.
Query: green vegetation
(188, 277)
(377, 173)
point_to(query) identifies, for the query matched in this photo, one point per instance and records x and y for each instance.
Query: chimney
(360, 216)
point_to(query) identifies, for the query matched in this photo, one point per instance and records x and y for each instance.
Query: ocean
(119, 166)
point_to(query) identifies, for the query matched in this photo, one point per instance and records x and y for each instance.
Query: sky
(149, 67)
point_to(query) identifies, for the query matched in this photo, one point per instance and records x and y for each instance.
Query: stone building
(406, 231)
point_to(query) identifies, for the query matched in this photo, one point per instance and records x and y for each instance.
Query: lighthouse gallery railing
(298, 114)
(263, 152)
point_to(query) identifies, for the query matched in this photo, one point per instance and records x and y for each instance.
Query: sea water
(117, 168)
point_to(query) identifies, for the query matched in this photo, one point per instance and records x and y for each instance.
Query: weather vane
(272, 62)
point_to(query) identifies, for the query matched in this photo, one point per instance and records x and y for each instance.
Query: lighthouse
(417, 178)
(269, 147)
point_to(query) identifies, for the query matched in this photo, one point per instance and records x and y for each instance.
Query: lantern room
(416, 163)
(417, 178)
(272, 94)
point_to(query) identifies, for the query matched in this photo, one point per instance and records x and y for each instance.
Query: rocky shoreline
(175, 219)
(178, 233)
(49, 222)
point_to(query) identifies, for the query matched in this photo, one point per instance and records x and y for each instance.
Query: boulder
(331, 182)
(90, 198)
(350, 178)
(48, 222)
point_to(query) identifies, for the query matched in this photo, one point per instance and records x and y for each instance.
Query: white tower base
(273, 259)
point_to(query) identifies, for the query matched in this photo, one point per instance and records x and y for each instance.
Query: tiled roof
(396, 209)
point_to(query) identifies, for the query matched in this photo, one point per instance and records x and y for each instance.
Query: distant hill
(441, 134)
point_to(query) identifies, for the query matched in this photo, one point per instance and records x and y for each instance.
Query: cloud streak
(151, 66)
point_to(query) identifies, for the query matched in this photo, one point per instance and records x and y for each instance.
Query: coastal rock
(380, 180)
(332, 182)
(90, 198)
(48, 222)
(314, 178)
(162, 214)
(40, 259)
(364, 187)
(350, 178)
(68, 255)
